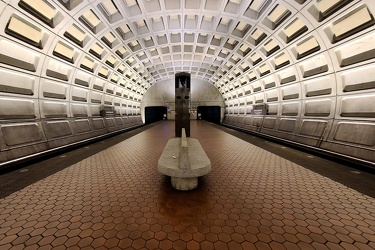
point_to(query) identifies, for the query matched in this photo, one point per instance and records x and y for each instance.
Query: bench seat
(169, 163)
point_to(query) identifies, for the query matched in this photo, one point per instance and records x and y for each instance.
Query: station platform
(258, 195)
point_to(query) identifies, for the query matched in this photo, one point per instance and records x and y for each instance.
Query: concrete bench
(184, 160)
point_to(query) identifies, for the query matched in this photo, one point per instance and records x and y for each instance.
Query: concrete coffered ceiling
(229, 43)
(151, 40)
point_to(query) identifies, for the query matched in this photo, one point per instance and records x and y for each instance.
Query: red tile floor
(252, 199)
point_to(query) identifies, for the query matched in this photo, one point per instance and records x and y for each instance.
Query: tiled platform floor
(252, 199)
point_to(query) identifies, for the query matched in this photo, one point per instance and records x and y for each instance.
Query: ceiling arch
(229, 43)
(158, 38)
(166, 37)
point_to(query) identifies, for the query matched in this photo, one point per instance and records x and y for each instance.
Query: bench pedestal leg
(184, 183)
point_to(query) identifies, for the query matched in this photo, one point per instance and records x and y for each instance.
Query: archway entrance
(209, 113)
(155, 113)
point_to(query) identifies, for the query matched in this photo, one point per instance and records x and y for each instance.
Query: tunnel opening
(209, 113)
(155, 113)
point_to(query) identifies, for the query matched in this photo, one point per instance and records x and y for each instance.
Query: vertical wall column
(182, 103)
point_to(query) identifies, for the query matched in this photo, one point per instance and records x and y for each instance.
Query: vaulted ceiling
(157, 38)
(137, 43)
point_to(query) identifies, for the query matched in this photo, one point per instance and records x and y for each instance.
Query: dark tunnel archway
(155, 113)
